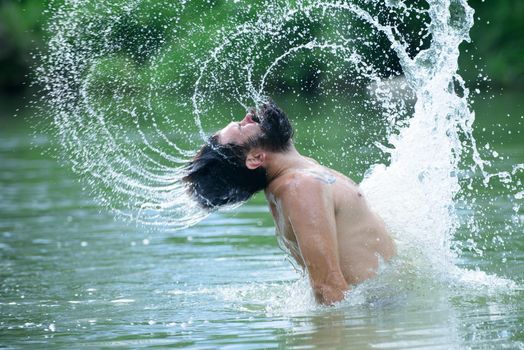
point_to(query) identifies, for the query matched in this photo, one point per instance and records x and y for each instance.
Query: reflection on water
(72, 274)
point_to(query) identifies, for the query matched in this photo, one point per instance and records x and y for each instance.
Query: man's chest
(285, 234)
(282, 224)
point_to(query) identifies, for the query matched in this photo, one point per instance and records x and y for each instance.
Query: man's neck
(279, 163)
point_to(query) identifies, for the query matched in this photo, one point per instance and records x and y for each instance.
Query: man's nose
(247, 119)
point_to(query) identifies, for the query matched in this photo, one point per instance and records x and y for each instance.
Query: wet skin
(321, 217)
(239, 132)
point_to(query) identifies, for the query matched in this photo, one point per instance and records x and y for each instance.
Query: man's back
(325, 223)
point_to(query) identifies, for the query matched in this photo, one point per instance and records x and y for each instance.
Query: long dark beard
(275, 125)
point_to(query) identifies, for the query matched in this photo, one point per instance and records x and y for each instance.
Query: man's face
(240, 132)
(268, 128)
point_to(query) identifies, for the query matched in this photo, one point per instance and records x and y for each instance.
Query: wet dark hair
(218, 174)
(276, 128)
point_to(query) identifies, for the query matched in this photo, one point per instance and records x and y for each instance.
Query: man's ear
(255, 158)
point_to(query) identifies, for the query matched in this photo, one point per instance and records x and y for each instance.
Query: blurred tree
(20, 32)
(148, 33)
(498, 39)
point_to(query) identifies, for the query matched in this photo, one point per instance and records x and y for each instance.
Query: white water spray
(116, 94)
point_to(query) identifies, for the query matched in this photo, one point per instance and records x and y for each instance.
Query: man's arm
(308, 205)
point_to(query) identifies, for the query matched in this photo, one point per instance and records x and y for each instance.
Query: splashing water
(113, 84)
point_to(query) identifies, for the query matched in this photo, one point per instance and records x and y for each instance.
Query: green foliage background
(496, 51)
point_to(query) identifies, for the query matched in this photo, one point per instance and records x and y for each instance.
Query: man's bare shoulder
(303, 182)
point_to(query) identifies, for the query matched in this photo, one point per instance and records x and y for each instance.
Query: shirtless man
(321, 216)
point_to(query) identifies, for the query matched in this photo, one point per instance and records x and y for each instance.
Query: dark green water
(73, 277)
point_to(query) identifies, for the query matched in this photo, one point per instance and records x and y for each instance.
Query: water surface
(73, 276)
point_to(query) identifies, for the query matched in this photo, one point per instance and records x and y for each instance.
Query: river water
(73, 276)
(102, 247)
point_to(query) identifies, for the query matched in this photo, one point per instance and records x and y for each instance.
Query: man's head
(229, 168)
